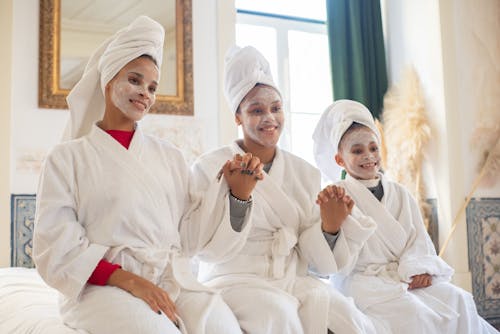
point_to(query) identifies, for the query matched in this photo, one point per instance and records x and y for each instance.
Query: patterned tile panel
(22, 220)
(483, 230)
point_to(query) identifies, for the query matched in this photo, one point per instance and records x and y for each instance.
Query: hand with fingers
(242, 173)
(335, 205)
(157, 298)
(420, 281)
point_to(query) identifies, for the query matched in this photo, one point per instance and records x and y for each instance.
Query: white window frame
(283, 24)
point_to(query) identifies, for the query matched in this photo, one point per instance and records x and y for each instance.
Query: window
(292, 36)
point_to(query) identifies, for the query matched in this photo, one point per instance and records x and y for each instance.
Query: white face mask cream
(261, 116)
(360, 154)
(133, 89)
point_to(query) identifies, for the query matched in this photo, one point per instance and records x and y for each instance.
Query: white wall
(5, 129)
(476, 32)
(213, 30)
(441, 41)
(29, 132)
(34, 130)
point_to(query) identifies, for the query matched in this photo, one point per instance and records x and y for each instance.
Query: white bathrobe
(98, 200)
(377, 276)
(263, 273)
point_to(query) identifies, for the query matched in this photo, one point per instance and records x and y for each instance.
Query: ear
(107, 88)
(237, 119)
(339, 160)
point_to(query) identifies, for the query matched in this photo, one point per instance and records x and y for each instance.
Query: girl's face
(359, 154)
(133, 89)
(261, 116)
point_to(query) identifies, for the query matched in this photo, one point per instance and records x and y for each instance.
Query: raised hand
(157, 298)
(420, 281)
(335, 205)
(242, 174)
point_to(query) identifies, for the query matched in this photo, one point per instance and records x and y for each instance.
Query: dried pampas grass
(486, 140)
(489, 167)
(406, 135)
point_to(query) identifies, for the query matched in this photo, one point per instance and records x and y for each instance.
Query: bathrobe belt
(284, 239)
(267, 258)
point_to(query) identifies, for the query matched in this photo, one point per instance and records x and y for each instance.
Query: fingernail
(219, 175)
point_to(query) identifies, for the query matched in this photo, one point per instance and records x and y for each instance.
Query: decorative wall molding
(483, 231)
(184, 133)
(30, 160)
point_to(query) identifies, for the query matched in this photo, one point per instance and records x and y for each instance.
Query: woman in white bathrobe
(396, 276)
(264, 271)
(109, 209)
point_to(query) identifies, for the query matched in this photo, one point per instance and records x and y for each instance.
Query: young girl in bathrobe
(275, 233)
(395, 276)
(112, 200)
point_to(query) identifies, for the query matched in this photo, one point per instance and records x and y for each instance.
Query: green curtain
(357, 53)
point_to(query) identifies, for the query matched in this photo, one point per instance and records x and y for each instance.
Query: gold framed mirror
(69, 34)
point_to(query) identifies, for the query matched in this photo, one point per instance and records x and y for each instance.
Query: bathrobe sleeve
(64, 256)
(314, 247)
(351, 239)
(354, 232)
(419, 255)
(312, 244)
(207, 230)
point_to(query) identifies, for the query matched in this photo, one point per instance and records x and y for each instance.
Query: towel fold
(86, 102)
(332, 125)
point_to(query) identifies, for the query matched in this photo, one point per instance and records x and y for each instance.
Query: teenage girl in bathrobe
(275, 233)
(110, 203)
(396, 276)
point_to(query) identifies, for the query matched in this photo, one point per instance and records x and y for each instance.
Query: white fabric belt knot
(284, 239)
(388, 272)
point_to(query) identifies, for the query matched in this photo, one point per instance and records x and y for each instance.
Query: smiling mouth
(139, 104)
(369, 165)
(268, 128)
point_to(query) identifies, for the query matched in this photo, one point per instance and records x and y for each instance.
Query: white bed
(28, 305)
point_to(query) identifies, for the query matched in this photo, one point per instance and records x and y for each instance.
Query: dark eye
(357, 151)
(374, 149)
(152, 89)
(276, 109)
(133, 80)
(256, 111)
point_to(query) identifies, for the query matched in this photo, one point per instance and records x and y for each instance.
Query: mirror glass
(86, 24)
(71, 30)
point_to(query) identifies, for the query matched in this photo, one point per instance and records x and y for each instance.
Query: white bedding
(28, 305)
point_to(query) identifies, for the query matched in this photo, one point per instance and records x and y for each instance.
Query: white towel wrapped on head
(334, 122)
(86, 100)
(244, 68)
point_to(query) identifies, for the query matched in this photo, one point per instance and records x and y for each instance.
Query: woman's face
(133, 89)
(359, 154)
(261, 116)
